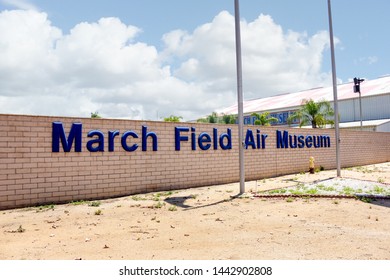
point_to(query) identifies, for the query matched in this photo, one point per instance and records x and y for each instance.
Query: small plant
(381, 180)
(94, 204)
(297, 192)
(98, 212)
(156, 196)
(379, 190)
(366, 199)
(78, 202)
(137, 198)
(167, 193)
(359, 168)
(158, 205)
(312, 191)
(290, 199)
(348, 190)
(193, 196)
(172, 208)
(329, 189)
(277, 191)
(45, 207)
(20, 229)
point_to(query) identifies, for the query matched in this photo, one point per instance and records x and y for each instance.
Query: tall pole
(361, 114)
(356, 88)
(239, 95)
(336, 107)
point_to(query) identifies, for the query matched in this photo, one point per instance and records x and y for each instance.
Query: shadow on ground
(180, 201)
(381, 202)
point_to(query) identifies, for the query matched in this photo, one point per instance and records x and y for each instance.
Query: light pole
(336, 107)
(239, 96)
(356, 88)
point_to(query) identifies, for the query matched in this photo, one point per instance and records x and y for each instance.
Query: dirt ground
(206, 223)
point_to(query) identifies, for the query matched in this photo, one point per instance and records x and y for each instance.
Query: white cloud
(273, 61)
(102, 67)
(20, 4)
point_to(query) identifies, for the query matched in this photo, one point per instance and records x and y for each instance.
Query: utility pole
(336, 107)
(356, 88)
(239, 96)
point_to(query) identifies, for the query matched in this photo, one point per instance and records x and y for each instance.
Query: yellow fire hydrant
(311, 165)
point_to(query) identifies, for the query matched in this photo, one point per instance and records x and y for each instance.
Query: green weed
(348, 190)
(78, 202)
(137, 198)
(45, 207)
(159, 205)
(94, 203)
(379, 190)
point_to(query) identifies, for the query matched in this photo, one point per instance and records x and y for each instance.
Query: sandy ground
(206, 223)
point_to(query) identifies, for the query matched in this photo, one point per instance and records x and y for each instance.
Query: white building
(375, 102)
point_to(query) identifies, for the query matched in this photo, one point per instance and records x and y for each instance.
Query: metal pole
(336, 108)
(240, 98)
(361, 114)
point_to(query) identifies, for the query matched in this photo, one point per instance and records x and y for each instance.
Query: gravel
(337, 186)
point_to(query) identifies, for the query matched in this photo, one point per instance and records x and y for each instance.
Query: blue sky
(178, 53)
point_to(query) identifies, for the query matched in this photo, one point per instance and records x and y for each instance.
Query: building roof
(364, 123)
(356, 124)
(292, 100)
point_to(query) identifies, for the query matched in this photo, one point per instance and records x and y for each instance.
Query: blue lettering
(111, 136)
(204, 138)
(263, 137)
(99, 141)
(228, 137)
(301, 141)
(325, 141)
(309, 141)
(193, 141)
(249, 139)
(281, 141)
(124, 141)
(145, 135)
(293, 144)
(58, 133)
(179, 138)
(215, 138)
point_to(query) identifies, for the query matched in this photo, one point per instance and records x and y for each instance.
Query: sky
(151, 59)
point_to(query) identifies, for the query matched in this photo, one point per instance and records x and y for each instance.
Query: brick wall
(31, 174)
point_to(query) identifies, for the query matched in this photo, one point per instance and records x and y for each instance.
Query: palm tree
(172, 118)
(263, 119)
(95, 115)
(315, 113)
(213, 118)
(228, 119)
